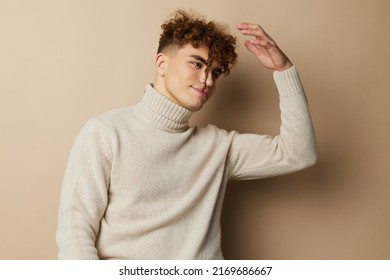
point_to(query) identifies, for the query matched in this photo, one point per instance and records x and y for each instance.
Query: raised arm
(255, 156)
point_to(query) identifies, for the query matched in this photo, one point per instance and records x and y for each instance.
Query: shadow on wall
(239, 103)
(262, 218)
(272, 218)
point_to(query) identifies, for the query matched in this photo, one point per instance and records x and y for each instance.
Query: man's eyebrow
(204, 61)
(201, 59)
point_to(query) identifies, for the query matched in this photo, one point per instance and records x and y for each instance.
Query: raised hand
(264, 47)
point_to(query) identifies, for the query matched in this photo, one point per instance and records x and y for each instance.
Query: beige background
(62, 62)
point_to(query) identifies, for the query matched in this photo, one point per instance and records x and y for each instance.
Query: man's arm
(256, 156)
(84, 194)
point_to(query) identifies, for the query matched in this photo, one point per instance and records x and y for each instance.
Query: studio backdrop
(65, 61)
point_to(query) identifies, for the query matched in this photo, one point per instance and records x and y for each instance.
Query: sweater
(141, 183)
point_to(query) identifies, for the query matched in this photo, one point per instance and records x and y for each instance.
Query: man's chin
(194, 108)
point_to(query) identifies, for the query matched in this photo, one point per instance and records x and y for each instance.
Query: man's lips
(203, 93)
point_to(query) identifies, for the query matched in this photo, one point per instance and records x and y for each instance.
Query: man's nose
(207, 78)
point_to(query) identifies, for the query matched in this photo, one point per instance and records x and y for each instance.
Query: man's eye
(197, 64)
(216, 75)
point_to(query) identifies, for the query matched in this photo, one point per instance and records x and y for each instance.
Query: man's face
(186, 77)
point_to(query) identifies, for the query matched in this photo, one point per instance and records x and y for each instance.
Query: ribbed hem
(288, 82)
(163, 112)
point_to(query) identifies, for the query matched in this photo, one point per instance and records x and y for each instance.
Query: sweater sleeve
(257, 156)
(84, 194)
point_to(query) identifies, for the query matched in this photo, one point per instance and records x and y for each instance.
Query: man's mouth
(201, 92)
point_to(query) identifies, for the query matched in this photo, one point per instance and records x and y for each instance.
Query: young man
(142, 184)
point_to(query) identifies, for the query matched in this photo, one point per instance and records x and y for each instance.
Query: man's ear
(161, 64)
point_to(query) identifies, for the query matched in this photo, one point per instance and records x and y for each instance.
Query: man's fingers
(251, 46)
(266, 43)
(253, 30)
(249, 27)
(245, 25)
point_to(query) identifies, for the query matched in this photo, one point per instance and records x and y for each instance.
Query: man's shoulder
(115, 117)
(111, 121)
(211, 129)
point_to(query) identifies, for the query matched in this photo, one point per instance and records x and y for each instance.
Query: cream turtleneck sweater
(141, 184)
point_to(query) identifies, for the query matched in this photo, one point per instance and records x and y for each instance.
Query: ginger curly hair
(187, 27)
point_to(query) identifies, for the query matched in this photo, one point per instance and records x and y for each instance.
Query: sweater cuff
(288, 82)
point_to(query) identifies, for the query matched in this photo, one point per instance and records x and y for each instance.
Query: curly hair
(188, 28)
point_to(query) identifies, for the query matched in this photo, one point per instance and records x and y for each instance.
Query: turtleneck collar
(164, 112)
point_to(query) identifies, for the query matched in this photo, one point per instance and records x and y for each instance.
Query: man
(142, 184)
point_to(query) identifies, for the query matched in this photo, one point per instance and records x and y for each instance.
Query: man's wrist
(287, 66)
